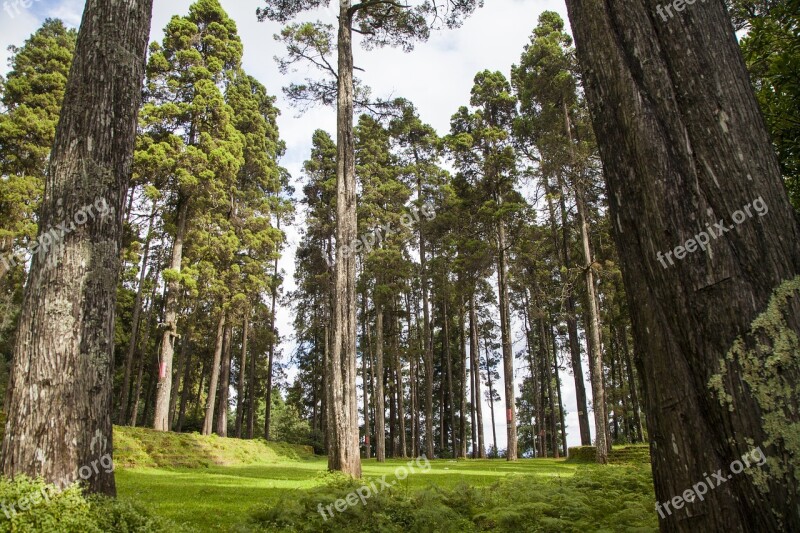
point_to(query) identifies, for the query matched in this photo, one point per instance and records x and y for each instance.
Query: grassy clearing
(213, 484)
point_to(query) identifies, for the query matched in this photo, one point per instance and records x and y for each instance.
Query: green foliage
(68, 511)
(612, 498)
(771, 50)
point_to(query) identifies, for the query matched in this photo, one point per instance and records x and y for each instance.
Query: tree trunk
(449, 369)
(462, 440)
(211, 400)
(684, 146)
(380, 408)
(508, 355)
(271, 355)
(59, 396)
(240, 382)
(365, 355)
(164, 387)
(595, 354)
(135, 322)
(572, 322)
(186, 389)
(176, 381)
(343, 449)
(224, 383)
(426, 336)
(398, 370)
(491, 396)
(475, 358)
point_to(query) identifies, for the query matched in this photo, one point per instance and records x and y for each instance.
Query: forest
(301, 302)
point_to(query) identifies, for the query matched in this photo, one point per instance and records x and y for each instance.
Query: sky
(436, 76)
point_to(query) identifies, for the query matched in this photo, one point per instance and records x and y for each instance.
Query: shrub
(582, 454)
(607, 498)
(68, 511)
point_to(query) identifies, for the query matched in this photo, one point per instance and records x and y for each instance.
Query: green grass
(214, 484)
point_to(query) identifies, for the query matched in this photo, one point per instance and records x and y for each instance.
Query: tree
(380, 23)
(31, 95)
(59, 396)
(482, 149)
(696, 156)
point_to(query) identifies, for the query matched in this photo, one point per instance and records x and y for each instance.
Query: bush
(68, 511)
(607, 498)
(582, 454)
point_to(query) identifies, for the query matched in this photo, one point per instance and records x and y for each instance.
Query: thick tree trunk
(221, 428)
(59, 395)
(684, 147)
(240, 400)
(380, 408)
(508, 355)
(211, 400)
(135, 322)
(164, 387)
(343, 449)
(475, 358)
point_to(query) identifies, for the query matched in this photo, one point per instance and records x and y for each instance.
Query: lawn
(217, 497)
(214, 484)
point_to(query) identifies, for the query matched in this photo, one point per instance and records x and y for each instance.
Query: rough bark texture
(271, 356)
(343, 449)
(684, 146)
(59, 394)
(164, 386)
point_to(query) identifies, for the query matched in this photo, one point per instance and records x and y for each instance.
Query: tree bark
(426, 335)
(462, 439)
(224, 383)
(508, 355)
(684, 147)
(164, 387)
(343, 449)
(211, 400)
(475, 358)
(59, 394)
(240, 382)
(272, 342)
(176, 381)
(491, 397)
(380, 408)
(398, 370)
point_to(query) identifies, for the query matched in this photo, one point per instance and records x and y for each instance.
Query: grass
(213, 484)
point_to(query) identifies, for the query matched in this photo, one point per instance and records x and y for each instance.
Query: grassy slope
(211, 484)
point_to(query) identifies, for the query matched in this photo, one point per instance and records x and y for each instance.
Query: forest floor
(215, 484)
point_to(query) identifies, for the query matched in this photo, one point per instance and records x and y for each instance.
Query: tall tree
(712, 311)
(59, 396)
(380, 23)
